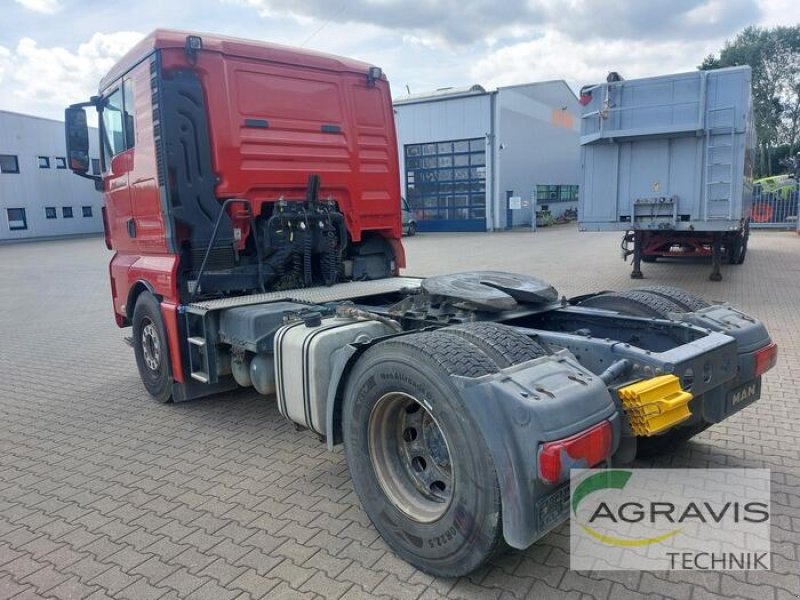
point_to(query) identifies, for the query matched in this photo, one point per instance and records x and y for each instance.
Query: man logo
(744, 394)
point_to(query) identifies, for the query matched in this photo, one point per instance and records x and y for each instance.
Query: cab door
(117, 164)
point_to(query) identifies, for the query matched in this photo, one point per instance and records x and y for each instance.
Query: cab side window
(113, 135)
(128, 113)
(119, 131)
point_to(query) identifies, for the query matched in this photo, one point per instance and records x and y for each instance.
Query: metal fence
(777, 209)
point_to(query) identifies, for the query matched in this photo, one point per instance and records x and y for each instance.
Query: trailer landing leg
(637, 256)
(716, 258)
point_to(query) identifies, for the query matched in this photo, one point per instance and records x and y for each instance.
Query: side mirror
(77, 134)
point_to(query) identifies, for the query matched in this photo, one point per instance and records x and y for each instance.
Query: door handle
(131, 228)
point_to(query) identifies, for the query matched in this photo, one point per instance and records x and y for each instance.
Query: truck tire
(745, 241)
(501, 343)
(634, 303)
(687, 301)
(151, 349)
(418, 462)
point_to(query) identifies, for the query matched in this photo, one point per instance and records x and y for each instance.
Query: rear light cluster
(583, 450)
(766, 358)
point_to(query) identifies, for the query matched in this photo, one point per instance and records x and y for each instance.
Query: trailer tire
(687, 301)
(501, 343)
(418, 462)
(151, 349)
(634, 303)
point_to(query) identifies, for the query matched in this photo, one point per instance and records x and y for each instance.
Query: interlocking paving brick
(326, 587)
(95, 477)
(183, 582)
(253, 583)
(154, 569)
(72, 589)
(10, 588)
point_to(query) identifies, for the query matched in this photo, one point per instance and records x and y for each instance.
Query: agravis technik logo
(670, 519)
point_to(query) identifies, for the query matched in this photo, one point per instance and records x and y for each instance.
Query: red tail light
(766, 358)
(584, 450)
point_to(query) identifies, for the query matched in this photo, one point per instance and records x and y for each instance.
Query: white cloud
(45, 80)
(47, 7)
(5, 62)
(557, 56)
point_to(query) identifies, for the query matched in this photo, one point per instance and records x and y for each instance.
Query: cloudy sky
(53, 52)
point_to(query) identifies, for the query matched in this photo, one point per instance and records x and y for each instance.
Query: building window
(87, 211)
(66, 212)
(16, 219)
(95, 166)
(50, 212)
(446, 181)
(9, 163)
(44, 162)
(546, 194)
(61, 162)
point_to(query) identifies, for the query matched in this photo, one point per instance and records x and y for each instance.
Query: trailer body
(252, 203)
(668, 153)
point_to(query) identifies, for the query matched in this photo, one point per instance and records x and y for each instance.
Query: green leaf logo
(611, 479)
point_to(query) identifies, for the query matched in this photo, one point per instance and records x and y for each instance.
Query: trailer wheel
(634, 303)
(417, 460)
(151, 349)
(687, 301)
(503, 344)
(745, 239)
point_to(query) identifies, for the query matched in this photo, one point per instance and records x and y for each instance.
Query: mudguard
(519, 408)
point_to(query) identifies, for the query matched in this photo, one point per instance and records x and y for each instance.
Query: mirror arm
(93, 102)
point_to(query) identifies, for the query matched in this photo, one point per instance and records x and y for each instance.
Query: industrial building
(478, 160)
(39, 196)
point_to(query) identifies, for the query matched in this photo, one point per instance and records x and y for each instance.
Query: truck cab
(205, 139)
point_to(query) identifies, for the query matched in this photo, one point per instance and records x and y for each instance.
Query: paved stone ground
(106, 494)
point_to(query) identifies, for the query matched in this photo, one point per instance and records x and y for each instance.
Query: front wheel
(411, 230)
(150, 348)
(418, 462)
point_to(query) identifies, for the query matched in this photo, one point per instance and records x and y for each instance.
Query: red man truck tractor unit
(252, 204)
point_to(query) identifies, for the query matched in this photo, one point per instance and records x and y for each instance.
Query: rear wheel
(501, 343)
(687, 301)
(634, 303)
(150, 348)
(419, 464)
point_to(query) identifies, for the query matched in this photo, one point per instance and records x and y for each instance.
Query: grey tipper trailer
(667, 160)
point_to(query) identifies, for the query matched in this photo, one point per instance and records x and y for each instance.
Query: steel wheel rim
(151, 346)
(410, 457)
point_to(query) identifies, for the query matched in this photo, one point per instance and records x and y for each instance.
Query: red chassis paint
(274, 116)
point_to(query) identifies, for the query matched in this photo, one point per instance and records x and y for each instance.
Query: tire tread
(501, 343)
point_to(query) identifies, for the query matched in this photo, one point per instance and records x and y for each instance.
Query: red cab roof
(261, 51)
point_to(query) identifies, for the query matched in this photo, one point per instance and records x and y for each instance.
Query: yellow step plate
(655, 405)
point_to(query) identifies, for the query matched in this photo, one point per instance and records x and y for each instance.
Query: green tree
(774, 56)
